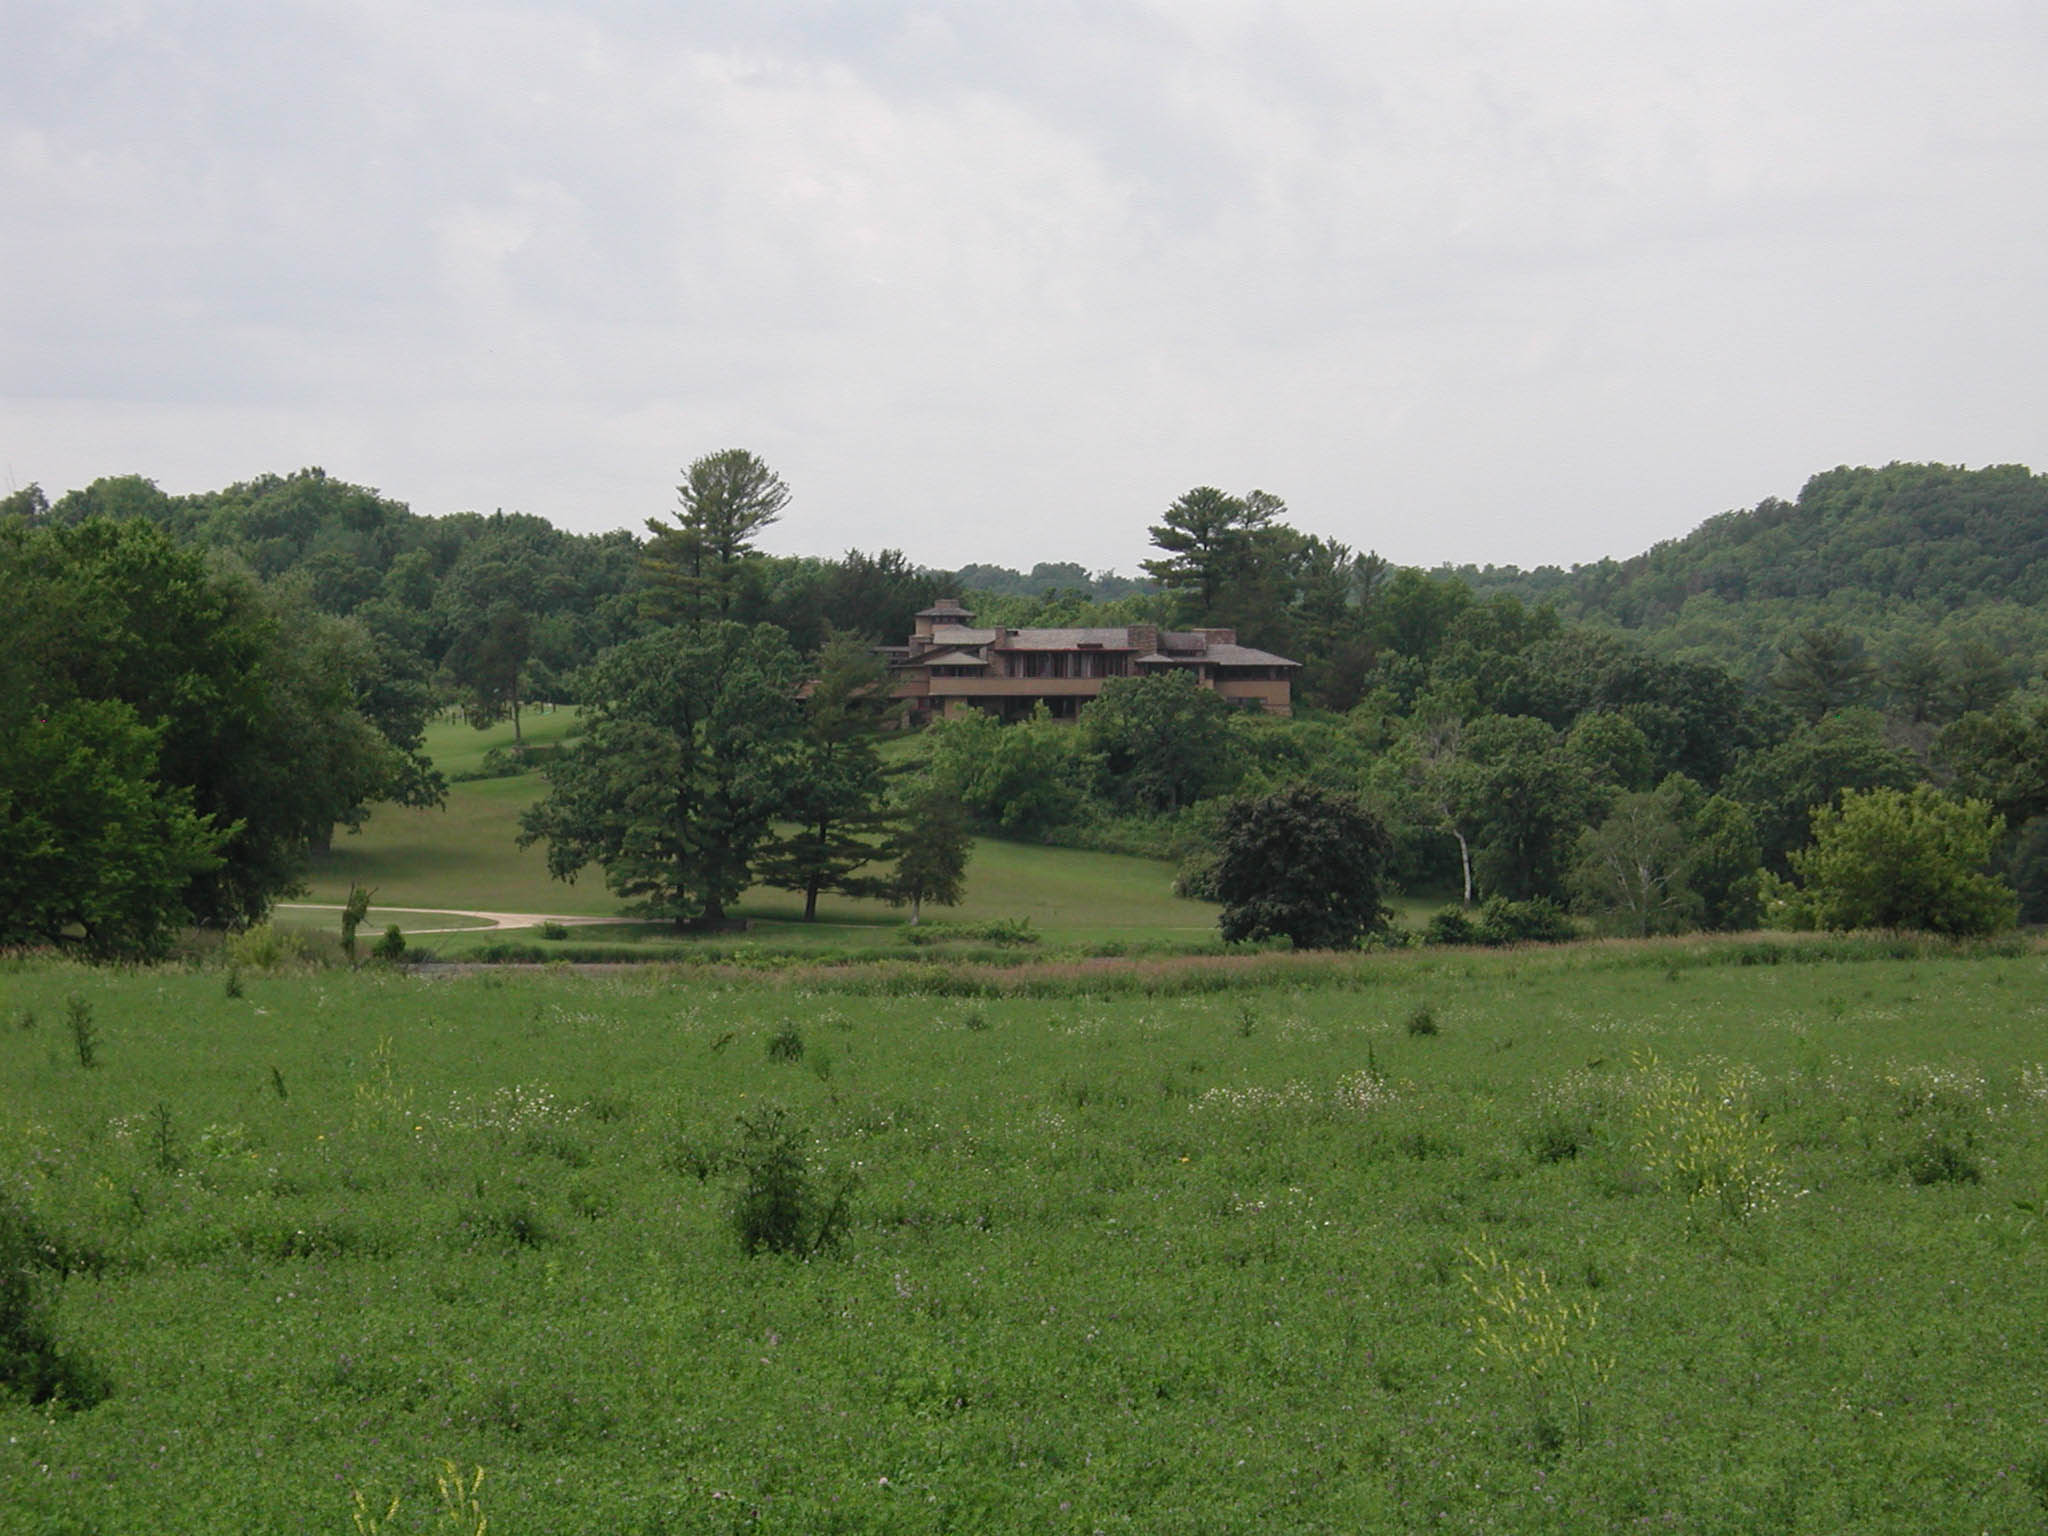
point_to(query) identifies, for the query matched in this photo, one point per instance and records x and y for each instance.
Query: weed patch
(780, 1207)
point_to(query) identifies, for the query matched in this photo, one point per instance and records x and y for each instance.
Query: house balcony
(1016, 687)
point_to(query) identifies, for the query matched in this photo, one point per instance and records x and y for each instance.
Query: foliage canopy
(1886, 859)
(1304, 864)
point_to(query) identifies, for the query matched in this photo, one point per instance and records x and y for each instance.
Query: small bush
(692, 1154)
(232, 986)
(555, 931)
(165, 1140)
(1557, 1137)
(85, 1036)
(1423, 1021)
(505, 762)
(1501, 922)
(606, 1108)
(1536, 921)
(786, 1044)
(266, 947)
(1452, 925)
(391, 947)
(518, 1223)
(1005, 933)
(32, 1362)
(1942, 1160)
(779, 1208)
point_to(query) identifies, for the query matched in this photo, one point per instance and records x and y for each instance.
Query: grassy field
(465, 857)
(1603, 1239)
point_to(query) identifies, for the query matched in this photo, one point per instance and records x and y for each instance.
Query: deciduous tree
(257, 708)
(1158, 742)
(1303, 863)
(94, 849)
(1887, 859)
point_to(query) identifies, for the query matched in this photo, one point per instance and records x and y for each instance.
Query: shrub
(786, 1044)
(1500, 922)
(1557, 1136)
(779, 1208)
(554, 930)
(31, 1360)
(85, 1037)
(1452, 925)
(266, 947)
(1007, 932)
(391, 948)
(1941, 1159)
(1423, 1021)
(1889, 860)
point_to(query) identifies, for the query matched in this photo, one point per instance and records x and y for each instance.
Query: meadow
(1605, 1238)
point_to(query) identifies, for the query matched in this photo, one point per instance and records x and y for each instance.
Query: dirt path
(481, 922)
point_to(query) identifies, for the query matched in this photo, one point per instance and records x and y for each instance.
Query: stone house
(948, 666)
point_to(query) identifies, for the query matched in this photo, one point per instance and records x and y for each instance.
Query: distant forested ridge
(430, 583)
(1909, 557)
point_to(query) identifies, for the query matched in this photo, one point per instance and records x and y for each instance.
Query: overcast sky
(1521, 282)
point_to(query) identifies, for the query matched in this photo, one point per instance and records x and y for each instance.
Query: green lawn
(465, 857)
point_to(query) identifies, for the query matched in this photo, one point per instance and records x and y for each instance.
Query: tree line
(229, 677)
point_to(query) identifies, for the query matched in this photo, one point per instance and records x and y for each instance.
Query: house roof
(946, 608)
(954, 634)
(949, 659)
(1118, 639)
(1245, 656)
(1217, 656)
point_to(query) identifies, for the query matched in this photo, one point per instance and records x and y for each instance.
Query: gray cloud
(1516, 282)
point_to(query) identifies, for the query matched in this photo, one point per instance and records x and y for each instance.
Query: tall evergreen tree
(686, 763)
(725, 500)
(836, 792)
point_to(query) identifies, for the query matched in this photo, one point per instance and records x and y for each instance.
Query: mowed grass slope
(1593, 1240)
(466, 857)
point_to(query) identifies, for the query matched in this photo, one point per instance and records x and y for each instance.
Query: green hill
(1910, 555)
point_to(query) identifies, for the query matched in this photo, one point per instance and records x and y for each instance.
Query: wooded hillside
(1909, 555)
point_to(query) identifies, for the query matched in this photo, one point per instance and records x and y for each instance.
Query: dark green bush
(1452, 925)
(1941, 1159)
(1556, 1137)
(32, 1362)
(779, 1208)
(85, 1036)
(1536, 921)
